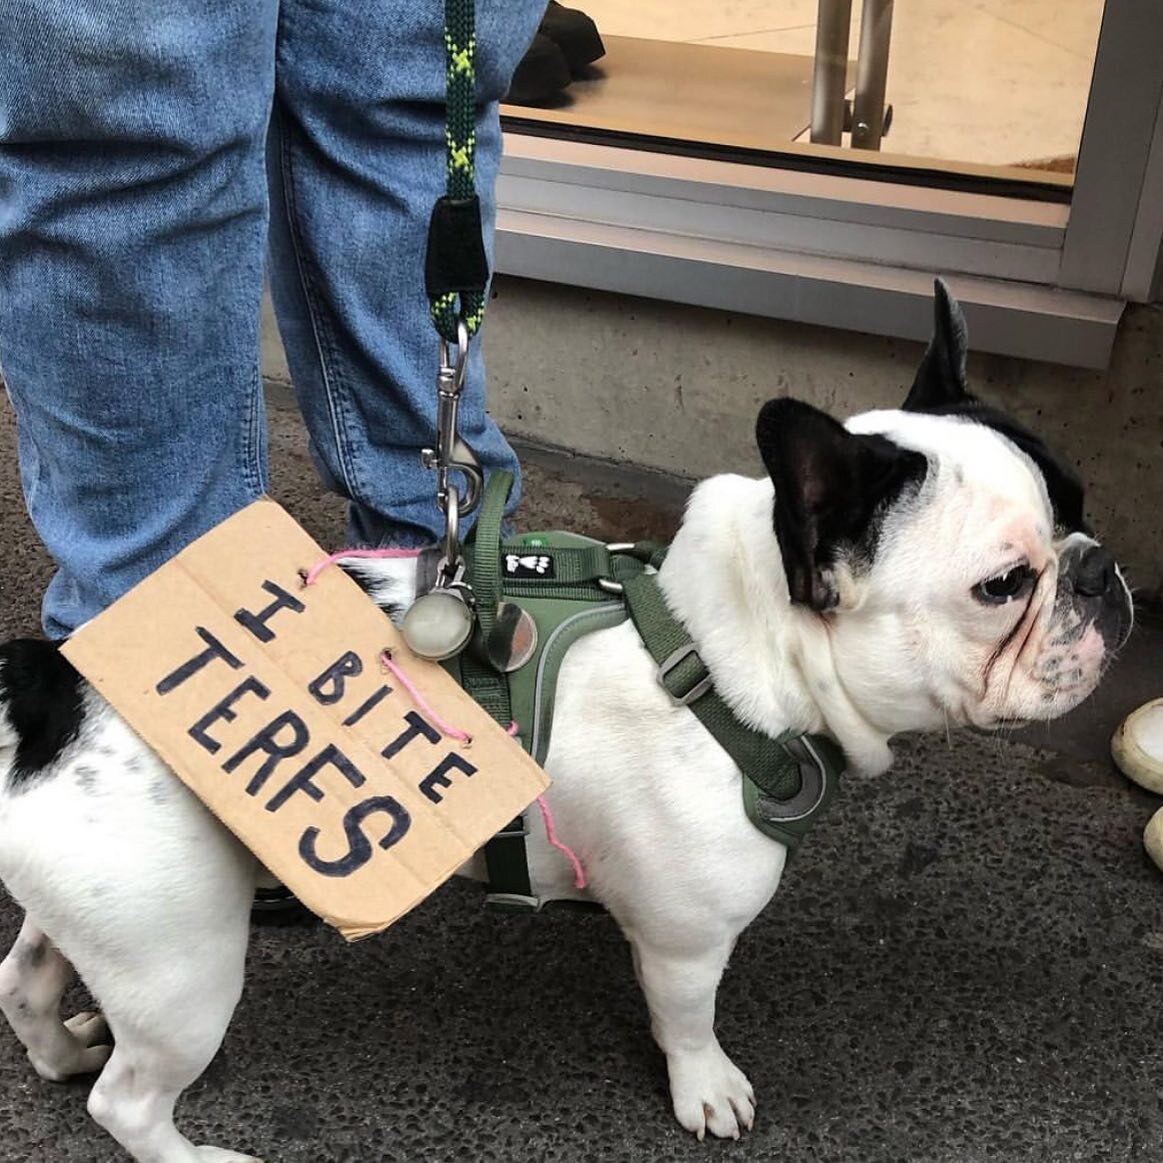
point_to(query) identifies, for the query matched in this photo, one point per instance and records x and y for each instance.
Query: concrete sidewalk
(965, 962)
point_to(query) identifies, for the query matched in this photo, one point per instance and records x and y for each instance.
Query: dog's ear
(940, 389)
(940, 381)
(830, 485)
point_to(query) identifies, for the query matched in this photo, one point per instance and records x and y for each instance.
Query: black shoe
(279, 906)
(541, 76)
(575, 34)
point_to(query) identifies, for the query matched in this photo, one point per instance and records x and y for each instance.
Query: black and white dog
(912, 570)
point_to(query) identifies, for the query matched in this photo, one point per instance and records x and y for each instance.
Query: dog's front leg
(709, 1092)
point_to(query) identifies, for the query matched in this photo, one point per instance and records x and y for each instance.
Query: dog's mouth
(1010, 724)
(1006, 723)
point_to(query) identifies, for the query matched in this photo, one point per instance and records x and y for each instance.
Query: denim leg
(356, 162)
(133, 213)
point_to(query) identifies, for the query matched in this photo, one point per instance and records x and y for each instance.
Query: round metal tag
(513, 639)
(438, 624)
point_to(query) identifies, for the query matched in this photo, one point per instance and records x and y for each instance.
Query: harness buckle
(615, 547)
(512, 902)
(672, 662)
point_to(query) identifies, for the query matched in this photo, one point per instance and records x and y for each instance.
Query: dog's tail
(41, 707)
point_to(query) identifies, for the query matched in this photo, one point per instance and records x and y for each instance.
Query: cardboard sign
(269, 700)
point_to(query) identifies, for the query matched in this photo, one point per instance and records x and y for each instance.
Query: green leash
(456, 271)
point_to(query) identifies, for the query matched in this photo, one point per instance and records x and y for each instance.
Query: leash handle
(456, 270)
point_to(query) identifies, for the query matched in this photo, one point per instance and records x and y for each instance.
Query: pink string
(312, 575)
(445, 728)
(579, 873)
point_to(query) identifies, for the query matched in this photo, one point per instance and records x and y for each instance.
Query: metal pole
(831, 66)
(871, 74)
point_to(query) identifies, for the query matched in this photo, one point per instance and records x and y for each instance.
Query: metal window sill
(804, 247)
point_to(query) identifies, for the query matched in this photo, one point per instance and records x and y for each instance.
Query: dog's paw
(89, 1029)
(84, 1050)
(710, 1093)
(219, 1155)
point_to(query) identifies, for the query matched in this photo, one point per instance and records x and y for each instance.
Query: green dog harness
(571, 586)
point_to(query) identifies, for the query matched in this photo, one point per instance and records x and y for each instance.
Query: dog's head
(945, 549)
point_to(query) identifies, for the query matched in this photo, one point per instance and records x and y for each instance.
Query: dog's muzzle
(1092, 576)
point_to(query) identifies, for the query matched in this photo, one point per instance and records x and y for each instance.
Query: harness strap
(562, 567)
(486, 565)
(788, 779)
(486, 687)
(508, 870)
(572, 573)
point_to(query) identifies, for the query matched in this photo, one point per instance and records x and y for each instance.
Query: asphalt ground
(965, 962)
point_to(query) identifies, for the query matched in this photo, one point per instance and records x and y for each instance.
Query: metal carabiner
(464, 461)
(451, 562)
(440, 623)
(451, 453)
(458, 369)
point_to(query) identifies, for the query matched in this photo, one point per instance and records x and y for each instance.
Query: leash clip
(440, 623)
(451, 454)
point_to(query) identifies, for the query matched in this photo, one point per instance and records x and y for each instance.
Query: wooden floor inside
(691, 92)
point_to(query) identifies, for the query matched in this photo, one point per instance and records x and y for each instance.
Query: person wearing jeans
(156, 156)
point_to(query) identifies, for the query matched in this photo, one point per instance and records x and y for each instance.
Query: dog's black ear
(940, 389)
(940, 382)
(830, 487)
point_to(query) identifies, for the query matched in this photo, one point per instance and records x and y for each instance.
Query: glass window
(973, 89)
(729, 155)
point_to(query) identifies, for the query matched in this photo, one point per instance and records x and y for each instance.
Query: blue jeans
(149, 151)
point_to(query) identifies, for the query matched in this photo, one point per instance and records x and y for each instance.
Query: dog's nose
(1095, 572)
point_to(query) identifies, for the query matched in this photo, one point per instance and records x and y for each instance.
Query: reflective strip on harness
(561, 639)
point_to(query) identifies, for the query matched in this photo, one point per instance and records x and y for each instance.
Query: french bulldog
(913, 569)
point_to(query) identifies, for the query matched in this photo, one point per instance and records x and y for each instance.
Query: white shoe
(1137, 747)
(1153, 838)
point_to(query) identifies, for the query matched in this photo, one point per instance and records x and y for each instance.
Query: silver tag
(438, 624)
(513, 639)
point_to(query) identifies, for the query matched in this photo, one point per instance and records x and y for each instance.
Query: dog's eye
(1005, 587)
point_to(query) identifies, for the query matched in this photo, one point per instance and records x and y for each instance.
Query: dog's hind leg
(33, 978)
(168, 1005)
(151, 906)
(134, 1097)
(168, 991)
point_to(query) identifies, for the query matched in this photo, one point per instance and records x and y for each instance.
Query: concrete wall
(678, 388)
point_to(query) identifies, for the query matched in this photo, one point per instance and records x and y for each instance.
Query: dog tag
(438, 624)
(513, 638)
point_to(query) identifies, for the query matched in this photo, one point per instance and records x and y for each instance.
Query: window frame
(1040, 277)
